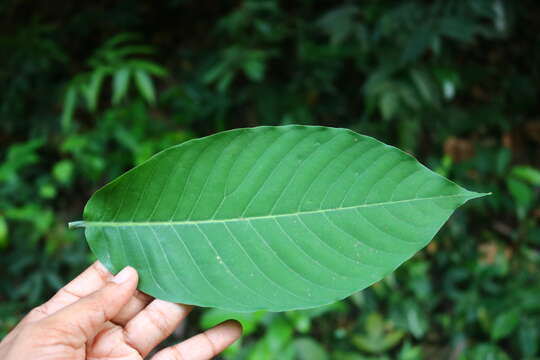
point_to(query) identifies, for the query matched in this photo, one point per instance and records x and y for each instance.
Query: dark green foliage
(91, 89)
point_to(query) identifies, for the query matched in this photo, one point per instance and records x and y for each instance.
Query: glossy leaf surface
(273, 218)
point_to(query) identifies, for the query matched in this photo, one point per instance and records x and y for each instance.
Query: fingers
(153, 324)
(82, 320)
(138, 302)
(203, 346)
(93, 278)
(90, 280)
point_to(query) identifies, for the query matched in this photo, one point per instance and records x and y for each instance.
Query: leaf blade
(145, 85)
(120, 85)
(302, 219)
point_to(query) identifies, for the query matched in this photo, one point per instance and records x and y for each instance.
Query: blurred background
(90, 89)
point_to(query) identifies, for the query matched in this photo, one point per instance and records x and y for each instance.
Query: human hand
(97, 316)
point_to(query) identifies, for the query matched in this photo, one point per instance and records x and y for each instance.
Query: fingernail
(123, 275)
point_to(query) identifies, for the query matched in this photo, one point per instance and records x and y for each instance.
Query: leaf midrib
(209, 221)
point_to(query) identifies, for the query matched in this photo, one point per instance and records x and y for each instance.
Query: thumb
(83, 319)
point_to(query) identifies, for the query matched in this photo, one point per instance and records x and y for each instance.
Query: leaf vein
(320, 211)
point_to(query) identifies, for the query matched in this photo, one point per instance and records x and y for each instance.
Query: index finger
(90, 280)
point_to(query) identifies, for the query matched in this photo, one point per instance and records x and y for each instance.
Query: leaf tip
(476, 195)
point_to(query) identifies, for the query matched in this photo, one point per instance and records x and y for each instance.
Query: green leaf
(47, 191)
(249, 321)
(418, 43)
(121, 38)
(278, 334)
(521, 192)
(302, 318)
(409, 352)
(425, 86)
(411, 316)
(70, 101)
(3, 232)
(145, 86)
(92, 89)
(485, 352)
(126, 51)
(19, 156)
(63, 171)
(339, 23)
(527, 173)
(215, 72)
(528, 338)
(254, 69)
(120, 85)
(376, 338)
(276, 342)
(150, 67)
(505, 324)
(389, 105)
(309, 349)
(269, 218)
(225, 81)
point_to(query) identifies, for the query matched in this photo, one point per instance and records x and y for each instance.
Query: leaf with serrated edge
(273, 218)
